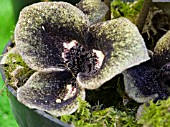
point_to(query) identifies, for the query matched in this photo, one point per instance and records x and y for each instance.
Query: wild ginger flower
(71, 53)
(150, 80)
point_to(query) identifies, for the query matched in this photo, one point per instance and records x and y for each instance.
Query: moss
(88, 116)
(96, 116)
(129, 10)
(16, 71)
(157, 114)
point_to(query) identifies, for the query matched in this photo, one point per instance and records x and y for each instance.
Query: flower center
(78, 59)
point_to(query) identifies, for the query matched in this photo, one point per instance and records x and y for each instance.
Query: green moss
(95, 116)
(16, 70)
(129, 10)
(157, 114)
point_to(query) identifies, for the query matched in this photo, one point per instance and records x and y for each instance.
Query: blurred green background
(7, 24)
(6, 29)
(9, 11)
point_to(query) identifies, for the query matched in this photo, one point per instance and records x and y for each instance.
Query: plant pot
(25, 116)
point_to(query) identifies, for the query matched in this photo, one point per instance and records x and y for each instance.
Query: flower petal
(55, 92)
(144, 83)
(94, 9)
(162, 51)
(122, 45)
(165, 74)
(44, 27)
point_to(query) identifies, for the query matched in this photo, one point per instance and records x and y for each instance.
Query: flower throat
(78, 59)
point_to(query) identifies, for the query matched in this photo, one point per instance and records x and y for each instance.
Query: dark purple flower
(150, 80)
(69, 52)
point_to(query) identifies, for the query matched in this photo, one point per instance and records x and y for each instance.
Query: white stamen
(70, 92)
(69, 87)
(100, 57)
(70, 45)
(63, 55)
(67, 47)
(73, 91)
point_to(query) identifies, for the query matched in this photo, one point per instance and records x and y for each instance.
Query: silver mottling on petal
(43, 27)
(94, 9)
(144, 83)
(162, 51)
(133, 91)
(51, 92)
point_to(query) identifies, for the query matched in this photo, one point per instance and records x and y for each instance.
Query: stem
(108, 14)
(143, 15)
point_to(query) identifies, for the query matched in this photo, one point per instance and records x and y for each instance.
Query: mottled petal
(162, 51)
(42, 30)
(55, 92)
(144, 83)
(122, 45)
(94, 9)
(165, 74)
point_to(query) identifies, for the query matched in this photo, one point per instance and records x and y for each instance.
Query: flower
(150, 80)
(71, 53)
